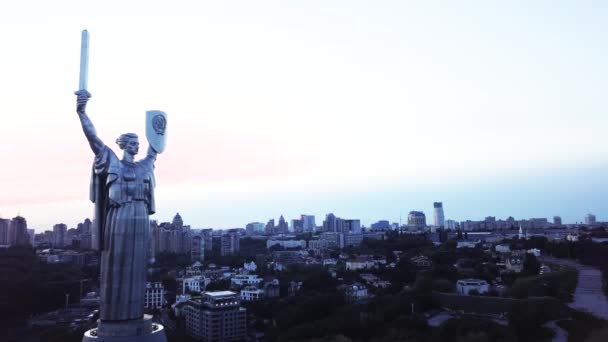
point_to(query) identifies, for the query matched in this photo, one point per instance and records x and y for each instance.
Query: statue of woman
(123, 193)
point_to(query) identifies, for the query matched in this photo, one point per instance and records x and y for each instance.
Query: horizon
(368, 112)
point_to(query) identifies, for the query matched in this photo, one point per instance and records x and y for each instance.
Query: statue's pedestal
(127, 331)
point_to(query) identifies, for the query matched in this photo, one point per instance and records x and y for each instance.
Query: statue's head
(129, 143)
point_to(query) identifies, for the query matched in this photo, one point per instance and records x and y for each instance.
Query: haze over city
(492, 108)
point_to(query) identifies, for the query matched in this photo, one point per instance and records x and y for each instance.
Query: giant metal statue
(123, 192)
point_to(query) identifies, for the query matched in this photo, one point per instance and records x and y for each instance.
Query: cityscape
(250, 277)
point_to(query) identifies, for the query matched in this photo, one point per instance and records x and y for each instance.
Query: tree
(531, 264)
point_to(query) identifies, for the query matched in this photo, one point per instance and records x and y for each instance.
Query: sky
(364, 109)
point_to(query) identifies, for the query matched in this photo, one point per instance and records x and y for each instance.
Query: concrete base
(127, 331)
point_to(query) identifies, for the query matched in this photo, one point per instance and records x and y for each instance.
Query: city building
(250, 266)
(421, 261)
(308, 223)
(197, 250)
(18, 231)
(451, 224)
(557, 220)
(207, 235)
(254, 228)
(196, 283)
(465, 286)
(270, 227)
(283, 227)
(515, 263)
(230, 243)
(381, 225)
(330, 224)
(215, 316)
(245, 280)
(438, 218)
(353, 293)
(590, 219)
(154, 297)
(251, 293)
(416, 220)
(4, 228)
(297, 226)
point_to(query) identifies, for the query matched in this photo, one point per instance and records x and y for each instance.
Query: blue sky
(365, 109)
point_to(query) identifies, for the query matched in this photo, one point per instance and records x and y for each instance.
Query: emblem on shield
(156, 129)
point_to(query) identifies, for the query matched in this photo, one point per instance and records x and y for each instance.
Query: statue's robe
(123, 194)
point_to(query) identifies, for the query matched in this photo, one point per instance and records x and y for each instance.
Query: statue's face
(132, 146)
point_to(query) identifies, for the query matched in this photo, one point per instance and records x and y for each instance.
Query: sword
(84, 62)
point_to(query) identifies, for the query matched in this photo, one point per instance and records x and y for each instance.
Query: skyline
(368, 112)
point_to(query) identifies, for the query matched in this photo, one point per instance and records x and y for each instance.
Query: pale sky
(368, 109)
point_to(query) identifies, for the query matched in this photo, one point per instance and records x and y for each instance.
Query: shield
(156, 129)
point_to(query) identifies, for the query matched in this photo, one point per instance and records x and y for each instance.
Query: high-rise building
(270, 228)
(283, 227)
(557, 220)
(154, 297)
(59, 234)
(19, 227)
(589, 219)
(331, 223)
(254, 228)
(438, 218)
(229, 243)
(308, 223)
(197, 252)
(381, 225)
(4, 228)
(207, 235)
(216, 316)
(416, 220)
(350, 226)
(297, 226)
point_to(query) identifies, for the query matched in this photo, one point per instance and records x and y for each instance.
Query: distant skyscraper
(178, 222)
(4, 228)
(350, 226)
(19, 227)
(59, 234)
(330, 224)
(557, 220)
(197, 252)
(269, 229)
(297, 226)
(438, 219)
(230, 243)
(590, 219)
(283, 227)
(416, 220)
(381, 225)
(207, 235)
(308, 223)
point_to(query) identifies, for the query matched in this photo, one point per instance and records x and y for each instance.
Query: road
(588, 296)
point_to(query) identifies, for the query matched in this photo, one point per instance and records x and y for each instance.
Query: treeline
(29, 286)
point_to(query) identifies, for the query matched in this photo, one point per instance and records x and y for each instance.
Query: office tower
(216, 316)
(590, 219)
(350, 226)
(331, 223)
(59, 234)
(308, 223)
(296, 226)
(557, 220)
(229, 243)
(438, 219)
(416, 220)
(178, 222)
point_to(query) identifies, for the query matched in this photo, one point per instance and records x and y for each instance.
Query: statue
(123, 193)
